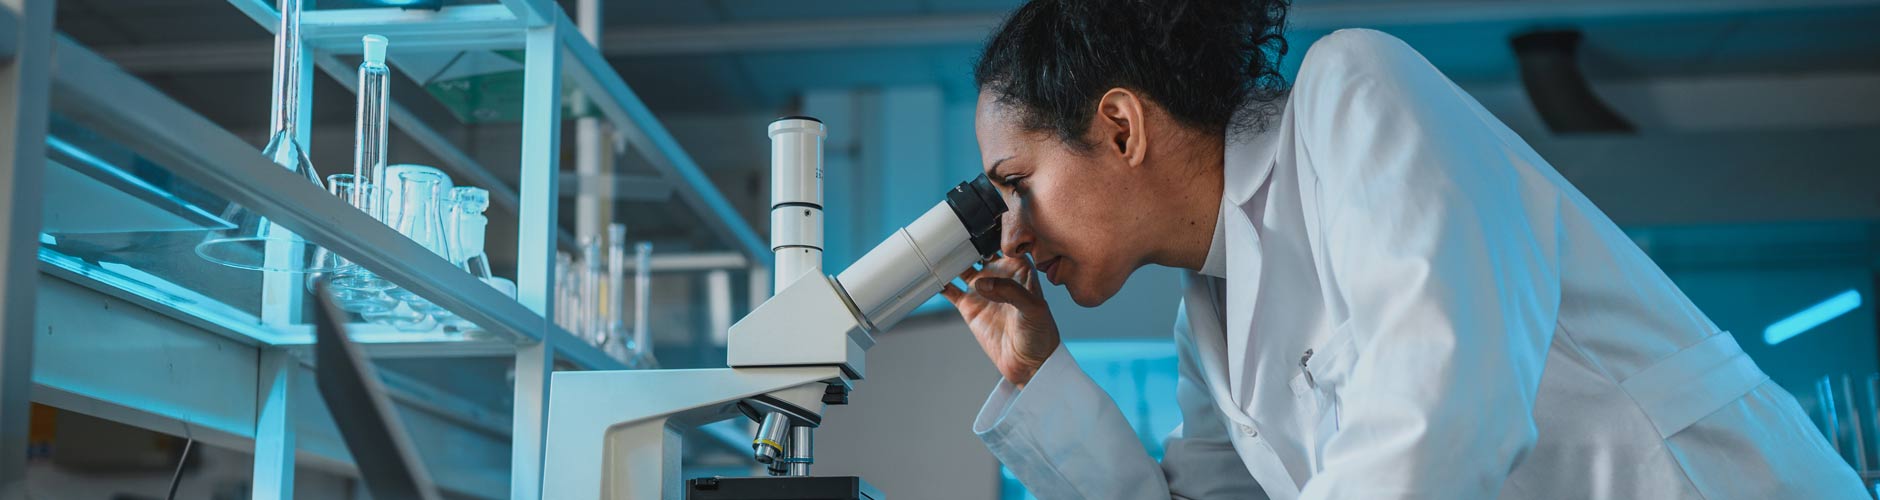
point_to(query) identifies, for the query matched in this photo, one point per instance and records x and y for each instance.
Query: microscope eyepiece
(979, 207)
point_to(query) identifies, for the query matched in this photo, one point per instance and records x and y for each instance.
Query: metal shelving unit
(238, 377)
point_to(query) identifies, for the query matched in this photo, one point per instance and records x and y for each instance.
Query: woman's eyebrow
(992, 172)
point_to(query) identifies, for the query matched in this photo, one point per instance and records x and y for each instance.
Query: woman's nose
(1015, 238)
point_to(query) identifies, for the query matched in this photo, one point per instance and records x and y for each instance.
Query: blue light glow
(1811, 317)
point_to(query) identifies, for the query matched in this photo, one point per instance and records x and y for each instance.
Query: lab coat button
(1248, 430)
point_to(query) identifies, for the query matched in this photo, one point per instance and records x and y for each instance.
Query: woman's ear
(1120, 126)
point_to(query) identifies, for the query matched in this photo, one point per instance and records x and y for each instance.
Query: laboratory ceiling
(745, 55)
(1752, 92)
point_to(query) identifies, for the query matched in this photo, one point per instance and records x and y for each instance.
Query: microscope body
(618, 434)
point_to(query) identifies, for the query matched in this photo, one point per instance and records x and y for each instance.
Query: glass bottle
(419, 216)
(618, 342)
(466, 226)
(643, 306)
(591, 300)
(346, 293)
(256, 243)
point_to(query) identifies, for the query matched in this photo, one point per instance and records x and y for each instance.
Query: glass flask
(343, 275)
(369, 158)
(256, 243)
(419, 216)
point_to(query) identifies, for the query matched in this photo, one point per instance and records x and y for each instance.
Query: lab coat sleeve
(1445, 267)
(1064, 438)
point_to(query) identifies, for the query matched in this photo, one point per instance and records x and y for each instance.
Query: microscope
(618, 434)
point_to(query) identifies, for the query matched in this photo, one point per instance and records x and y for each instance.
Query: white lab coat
(1403, 300)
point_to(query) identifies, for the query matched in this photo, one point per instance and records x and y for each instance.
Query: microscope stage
(781, 488)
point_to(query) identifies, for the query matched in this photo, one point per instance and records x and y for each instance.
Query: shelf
(505, 26)
(116, 105)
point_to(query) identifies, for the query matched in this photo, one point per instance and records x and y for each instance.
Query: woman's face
(1073, 211)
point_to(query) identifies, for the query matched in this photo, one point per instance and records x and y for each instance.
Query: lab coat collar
(1216, 264)
(1251, 149)
(1248, 158)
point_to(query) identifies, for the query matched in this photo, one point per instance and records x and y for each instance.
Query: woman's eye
(1017, 183)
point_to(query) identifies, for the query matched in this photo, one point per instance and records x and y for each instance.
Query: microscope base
(781, 488)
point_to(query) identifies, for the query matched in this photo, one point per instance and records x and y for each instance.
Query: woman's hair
(1201, 60)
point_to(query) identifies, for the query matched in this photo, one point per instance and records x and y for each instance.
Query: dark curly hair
(1199, 59)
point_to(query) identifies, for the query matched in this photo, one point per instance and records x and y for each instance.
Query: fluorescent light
(1811, 317)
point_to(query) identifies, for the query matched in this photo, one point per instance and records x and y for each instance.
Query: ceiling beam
(972, 29)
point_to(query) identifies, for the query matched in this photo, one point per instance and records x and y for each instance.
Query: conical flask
(255, 242)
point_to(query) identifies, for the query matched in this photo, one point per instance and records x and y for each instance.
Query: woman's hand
(1007, 313)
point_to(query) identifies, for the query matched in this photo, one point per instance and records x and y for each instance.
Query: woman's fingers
(1004, 291)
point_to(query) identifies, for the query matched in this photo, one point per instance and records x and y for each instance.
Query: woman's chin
(1085, 297)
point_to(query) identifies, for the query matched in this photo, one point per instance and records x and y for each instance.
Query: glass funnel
(255, 242)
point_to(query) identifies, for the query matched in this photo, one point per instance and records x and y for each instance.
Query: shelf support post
(535, 253)
(275, 439)
(25, 83)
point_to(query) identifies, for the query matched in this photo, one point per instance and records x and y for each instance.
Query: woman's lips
(1050, 268)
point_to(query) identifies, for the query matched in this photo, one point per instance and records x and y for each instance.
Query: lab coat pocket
(1323, 372)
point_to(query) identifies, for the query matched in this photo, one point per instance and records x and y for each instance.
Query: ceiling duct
(1550, 71)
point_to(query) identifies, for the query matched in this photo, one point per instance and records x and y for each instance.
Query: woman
(1389, 295)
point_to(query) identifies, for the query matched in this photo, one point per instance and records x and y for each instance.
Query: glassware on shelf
(643, 306)
(255, 242)
(419, 216)
(592, 302)
(466, 226)
(343, 278)
(404, 318)
(370, 130)
(618, 341)
(565, 297)
(368, 178)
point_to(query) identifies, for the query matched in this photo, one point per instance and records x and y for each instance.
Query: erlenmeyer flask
(419, 216)
(343, 275)
(255, 242)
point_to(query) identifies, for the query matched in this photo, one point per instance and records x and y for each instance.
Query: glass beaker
(419, 216)
(354, 289)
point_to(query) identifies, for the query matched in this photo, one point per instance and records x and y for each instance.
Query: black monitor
(387, 461)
